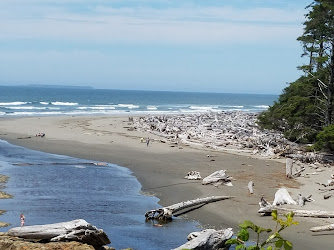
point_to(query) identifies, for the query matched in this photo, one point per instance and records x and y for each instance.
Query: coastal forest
(304, 111)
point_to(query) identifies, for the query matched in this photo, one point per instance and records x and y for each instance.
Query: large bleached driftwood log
(282, 196)
(322, 228)
(298, 213)
(208, 239)
(218, 177)
(75, 230)
(165, 213)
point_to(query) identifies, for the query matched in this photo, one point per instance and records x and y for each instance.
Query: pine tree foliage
(305, 107)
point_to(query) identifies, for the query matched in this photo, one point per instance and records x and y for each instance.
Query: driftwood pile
(226, 130)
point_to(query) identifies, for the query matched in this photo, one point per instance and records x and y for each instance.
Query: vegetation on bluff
(304, 111)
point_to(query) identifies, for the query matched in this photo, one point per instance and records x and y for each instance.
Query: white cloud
(132, 25)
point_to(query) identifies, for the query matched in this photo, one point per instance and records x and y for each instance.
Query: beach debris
(297, 212)
(328, 227)
(226, 131)
(218, 177)
(327, 184)
(166, 213)
(193, 175)
(207, 239)
(250, 187)
(282, 196)
(302, 199)
(293, 169)
(327, 196)
(264, 203)
(75, 230)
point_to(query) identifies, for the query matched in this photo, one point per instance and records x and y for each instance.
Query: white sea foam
(151, 107)
(29, 108)
(232, 106)
(44, 103)
(102, 107)
(129, 106)
(64, 103)
(203, 108)
(262, 106)
(12, 103)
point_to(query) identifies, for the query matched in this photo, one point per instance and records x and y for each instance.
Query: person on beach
(22, 220)
(147, 141)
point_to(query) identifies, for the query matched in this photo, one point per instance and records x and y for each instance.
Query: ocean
(40, 101)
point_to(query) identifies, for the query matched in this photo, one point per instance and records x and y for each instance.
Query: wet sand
(161, 167)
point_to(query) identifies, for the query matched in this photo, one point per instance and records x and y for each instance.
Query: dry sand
(160, 168)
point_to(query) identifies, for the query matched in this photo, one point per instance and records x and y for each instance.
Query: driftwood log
(166, 213)
(193, 175)
(302, 199)
(282, 196)
(208, 239)
(288, 167)
(322, 228)
(75, 230)
(250, 187)
(299, 213)
(217, 178)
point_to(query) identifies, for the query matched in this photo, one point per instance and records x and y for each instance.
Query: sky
(228, 46)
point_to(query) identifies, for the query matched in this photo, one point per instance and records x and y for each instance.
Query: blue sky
(234, 46)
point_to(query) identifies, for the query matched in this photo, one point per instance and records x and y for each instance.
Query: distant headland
(55, 86)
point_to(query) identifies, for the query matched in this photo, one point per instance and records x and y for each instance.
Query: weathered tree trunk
(165, 213)
(76, 230)
(322, 228)
(299, 213)
(330, 88)
(288, 168)
(208, 239)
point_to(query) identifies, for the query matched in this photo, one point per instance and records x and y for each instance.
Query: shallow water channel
(55, 188)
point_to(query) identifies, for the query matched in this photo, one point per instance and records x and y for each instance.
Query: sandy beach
(161, 167)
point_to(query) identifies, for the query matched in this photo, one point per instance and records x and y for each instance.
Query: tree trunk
(322, 228)
(208, 239)
(75, 230)
(288, 168)
(330, 88)
(298, 213)
(165, 213)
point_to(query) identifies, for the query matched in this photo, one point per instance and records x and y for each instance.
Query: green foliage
(274, 240)
(294, 114)
(305, 107)
(325, 139)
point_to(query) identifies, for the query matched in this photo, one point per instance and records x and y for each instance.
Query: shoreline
(160, 168)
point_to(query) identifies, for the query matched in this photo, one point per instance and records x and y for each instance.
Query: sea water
(37, 101)
(49, 188)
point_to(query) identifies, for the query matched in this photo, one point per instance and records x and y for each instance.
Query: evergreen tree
(305, 107)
